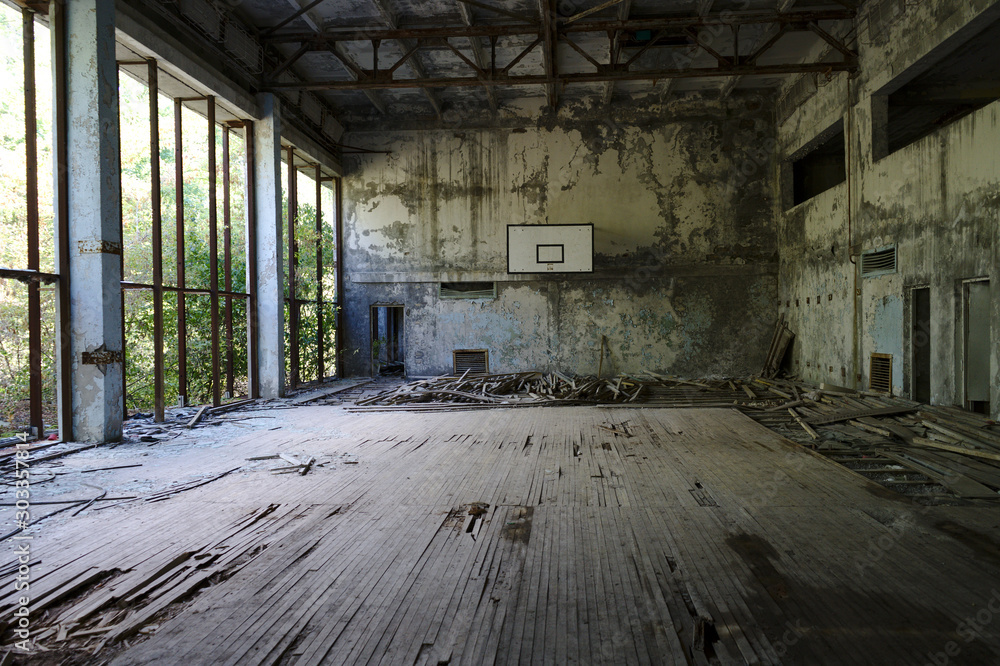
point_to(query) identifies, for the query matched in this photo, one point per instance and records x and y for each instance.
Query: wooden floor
(525, 536)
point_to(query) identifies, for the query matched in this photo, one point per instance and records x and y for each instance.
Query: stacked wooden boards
(665, 536)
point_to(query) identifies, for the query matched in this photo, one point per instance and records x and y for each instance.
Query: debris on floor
(944, 452)
(518, 389)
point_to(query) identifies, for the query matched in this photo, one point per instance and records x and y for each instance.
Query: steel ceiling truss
(611, 63)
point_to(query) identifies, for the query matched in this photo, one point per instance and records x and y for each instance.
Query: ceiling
(423, 58)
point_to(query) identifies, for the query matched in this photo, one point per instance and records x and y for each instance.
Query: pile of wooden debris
(918, 450)
(517, 389)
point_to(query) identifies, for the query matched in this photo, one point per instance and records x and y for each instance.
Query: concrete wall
(685, 253)
(937, 200)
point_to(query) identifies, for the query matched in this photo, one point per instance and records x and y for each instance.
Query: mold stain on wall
(680, 254)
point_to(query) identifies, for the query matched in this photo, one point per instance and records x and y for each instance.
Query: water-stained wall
(685, 256)
(937, 200)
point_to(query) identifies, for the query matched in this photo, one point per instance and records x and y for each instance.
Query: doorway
(978, 371)
(920, 344)
(388, 342)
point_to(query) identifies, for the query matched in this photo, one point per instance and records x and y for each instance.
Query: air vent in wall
(880, 373)
(468, 290)
(878, 262)
(476, 361)
(882, 14)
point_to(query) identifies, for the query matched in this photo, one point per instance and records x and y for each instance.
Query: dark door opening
(920, 344)
(977, 346)
(387, 340)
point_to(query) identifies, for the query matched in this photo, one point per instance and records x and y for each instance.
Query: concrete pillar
(92, 207)
(270, 274)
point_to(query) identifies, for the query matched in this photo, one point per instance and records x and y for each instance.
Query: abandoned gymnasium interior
(500, 332)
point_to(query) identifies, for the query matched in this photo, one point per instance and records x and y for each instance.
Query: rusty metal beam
(766, 46)
(681, 21)
(142, 286)
(157, 223)
(315, 23)
(293, 262)
(339, 272)
(583, 77)
(121, 258)
(547, 13)
(320, 342)
(213, 252)
(227, 258)
(624, 10)
(354, 70)
(249, 208)
(182, 383)
(36, 419)
(299, 12)
(479, 56)
(57, 24)
(589, 58)
(389, 17)
(834, 42)
(28, 276)
(497, 10)
(290, 60)
(593, 10)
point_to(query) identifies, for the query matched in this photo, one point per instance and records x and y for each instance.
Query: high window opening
(954, 80)
(29, 276)
(312, 211)
(820, 166)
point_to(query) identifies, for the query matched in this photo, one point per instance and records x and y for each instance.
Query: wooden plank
(851, 415)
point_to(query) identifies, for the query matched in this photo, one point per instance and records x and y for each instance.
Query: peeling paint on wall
(685, 268)
(936, 199)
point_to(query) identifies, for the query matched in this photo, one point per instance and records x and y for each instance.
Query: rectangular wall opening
(820, 165)
(951, 82)
(388, 342)
(467, 290)
(978, 370)
(920, 345)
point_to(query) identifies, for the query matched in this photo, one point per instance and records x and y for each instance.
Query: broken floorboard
(703, 538)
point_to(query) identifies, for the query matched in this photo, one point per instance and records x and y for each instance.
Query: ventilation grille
(804, 88)
(476, 361)
(880, 373)
(468, 290)
(880, 16)
(878, 262)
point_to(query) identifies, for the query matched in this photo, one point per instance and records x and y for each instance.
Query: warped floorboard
(533, 536)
